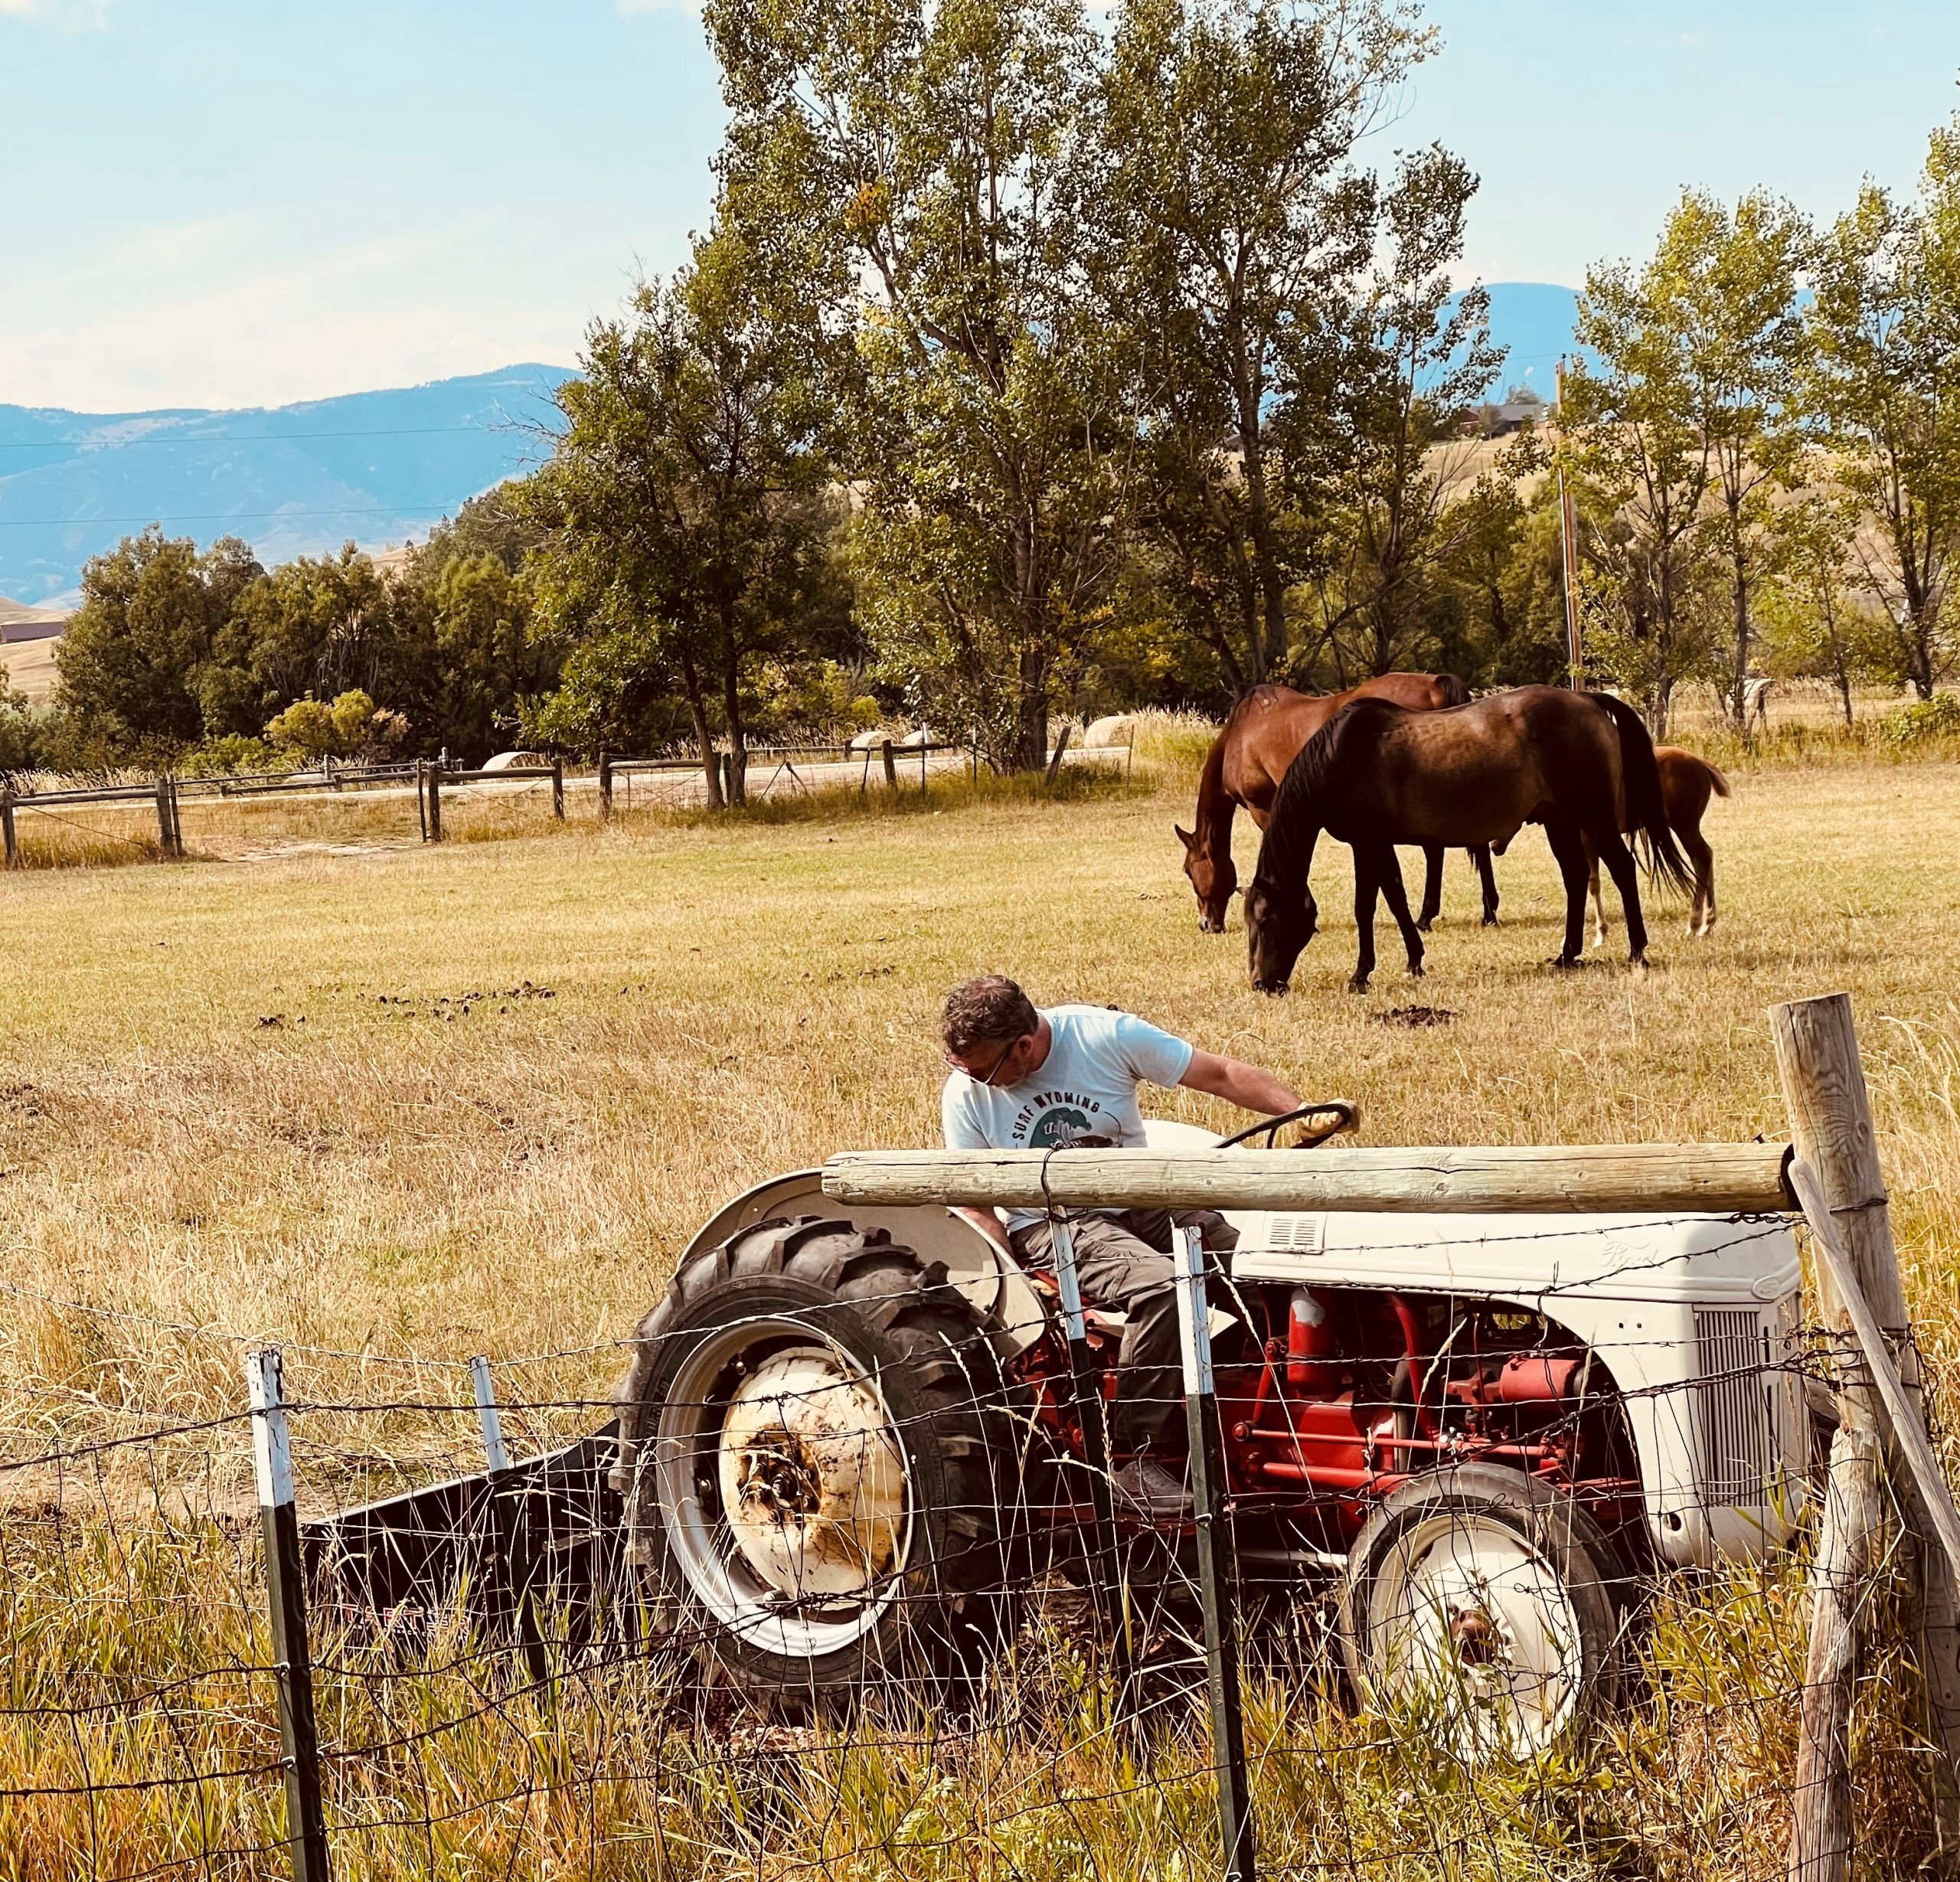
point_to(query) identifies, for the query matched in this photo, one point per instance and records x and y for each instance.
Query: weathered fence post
(605, 787)
(434, 830)
(558, 789)
(1217, 1569)
(286, 1590)
(163, 816)
(1830, 1111)
(422, 798)
(176, 822)
(891, 765)
(8, 835)
(1055, 758)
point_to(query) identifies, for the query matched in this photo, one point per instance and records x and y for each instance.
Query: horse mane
(1296, 816)
(1455, 692)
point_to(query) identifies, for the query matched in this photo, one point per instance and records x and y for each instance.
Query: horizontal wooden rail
(1629, 1179)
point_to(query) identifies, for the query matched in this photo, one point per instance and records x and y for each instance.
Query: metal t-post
(1217, 1569)
(512, 1524)
(1086, 1389)
(286, 1589)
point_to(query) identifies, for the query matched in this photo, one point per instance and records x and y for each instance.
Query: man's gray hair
(990, 1009)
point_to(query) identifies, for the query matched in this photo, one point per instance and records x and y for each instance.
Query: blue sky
(223, 202)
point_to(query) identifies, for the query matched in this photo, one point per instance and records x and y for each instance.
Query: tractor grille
(1737, 1411)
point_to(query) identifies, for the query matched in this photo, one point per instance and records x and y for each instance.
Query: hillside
(374, 467)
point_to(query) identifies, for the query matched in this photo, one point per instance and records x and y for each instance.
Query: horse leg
(1569, 849)
(1701, 916)
(1432, 885)
(1618, 860)
(1480, 855)
(1397, 899)
(1365, 888)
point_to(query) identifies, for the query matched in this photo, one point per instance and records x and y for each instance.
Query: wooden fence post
(891, 765)
(176, 822)
(558, 789)
(605, 787)
(163, 816)
(435, 829)
(1055, 760)
(1830, 1111)
(7, 832)
(286, 1589)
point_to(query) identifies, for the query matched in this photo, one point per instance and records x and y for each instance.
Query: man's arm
(1233, 1079)
(990, 1225)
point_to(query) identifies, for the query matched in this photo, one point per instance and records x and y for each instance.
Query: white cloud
(75, 15)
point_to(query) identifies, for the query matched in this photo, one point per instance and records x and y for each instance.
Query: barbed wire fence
(496, 1686)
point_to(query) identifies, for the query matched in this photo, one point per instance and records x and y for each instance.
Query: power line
(97, 442)
(219, 516)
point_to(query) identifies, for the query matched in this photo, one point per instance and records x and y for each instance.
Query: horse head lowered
(1281, 917)
(1214, 877)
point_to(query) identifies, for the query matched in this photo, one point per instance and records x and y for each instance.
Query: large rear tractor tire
(806, 1455)
(1482, 1603)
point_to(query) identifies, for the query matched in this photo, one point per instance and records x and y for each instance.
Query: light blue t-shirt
(1083, 1092)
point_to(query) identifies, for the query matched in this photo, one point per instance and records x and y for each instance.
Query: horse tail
(1716, 778)
(1452, 690)
(1640, 776)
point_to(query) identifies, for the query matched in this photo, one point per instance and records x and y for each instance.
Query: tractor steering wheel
(1329, 1119)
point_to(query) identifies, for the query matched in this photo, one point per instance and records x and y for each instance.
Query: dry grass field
(404, 1104)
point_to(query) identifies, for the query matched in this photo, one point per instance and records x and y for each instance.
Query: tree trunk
(738, 740)
(690, 684)
(1741, 599)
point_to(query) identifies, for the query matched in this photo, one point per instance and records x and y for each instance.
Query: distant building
(18, 622)
(1521, 407)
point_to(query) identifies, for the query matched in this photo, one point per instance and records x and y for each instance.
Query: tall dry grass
(397, 1106)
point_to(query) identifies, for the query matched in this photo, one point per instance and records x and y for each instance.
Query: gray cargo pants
(1123, 1261)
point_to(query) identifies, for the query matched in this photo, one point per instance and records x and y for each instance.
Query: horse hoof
(1276, 991)
(1358, 984)
(1414, 970)
(1638, 966)
(1566, 963)
(1490, 921)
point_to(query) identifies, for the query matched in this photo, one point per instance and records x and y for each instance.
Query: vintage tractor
(852, 1435)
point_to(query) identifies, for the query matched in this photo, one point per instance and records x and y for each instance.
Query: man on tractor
(1021, 1078)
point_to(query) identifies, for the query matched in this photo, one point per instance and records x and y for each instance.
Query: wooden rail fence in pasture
(110, 823)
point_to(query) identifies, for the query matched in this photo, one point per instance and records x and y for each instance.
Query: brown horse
(1263, 734)
(1377, 775)
(1686, 783)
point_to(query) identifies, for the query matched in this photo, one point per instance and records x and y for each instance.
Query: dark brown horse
(1686, 783)
(1265, 732)
(1377, 775)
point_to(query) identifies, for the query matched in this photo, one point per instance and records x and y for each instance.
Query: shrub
(234, 752)
(1923, 721)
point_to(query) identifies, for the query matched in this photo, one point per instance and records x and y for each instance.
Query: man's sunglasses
(993, 1071)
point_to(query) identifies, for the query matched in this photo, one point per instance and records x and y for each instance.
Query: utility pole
(1569, 552)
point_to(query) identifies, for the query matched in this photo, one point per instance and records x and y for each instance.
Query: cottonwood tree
(1631, 438)
(1414, 358)
(1234, 224)
(1814, 620)
(1722, 288)
(945, 153)
(686, 504)
(133, 661)
(1885, 328)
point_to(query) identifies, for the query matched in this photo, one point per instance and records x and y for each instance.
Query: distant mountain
(371, 467)
(374, 467)
(1534, 319)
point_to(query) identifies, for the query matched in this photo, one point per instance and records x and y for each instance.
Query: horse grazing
(1686, 783)
(1377, 775)
(1264, 733)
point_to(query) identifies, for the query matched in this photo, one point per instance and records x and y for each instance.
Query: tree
(687, 506)
(940, 153)
(1632, 439)
(132, 659)
(1885, 326)
(1411, 363)
(1502, 563)
(1722, 288)
(1236, 226)
(1813, 618)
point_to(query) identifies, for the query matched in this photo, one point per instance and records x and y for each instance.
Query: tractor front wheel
(1482, 1602)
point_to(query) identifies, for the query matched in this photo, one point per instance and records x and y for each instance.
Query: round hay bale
(1119, 728)
(516, 761)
